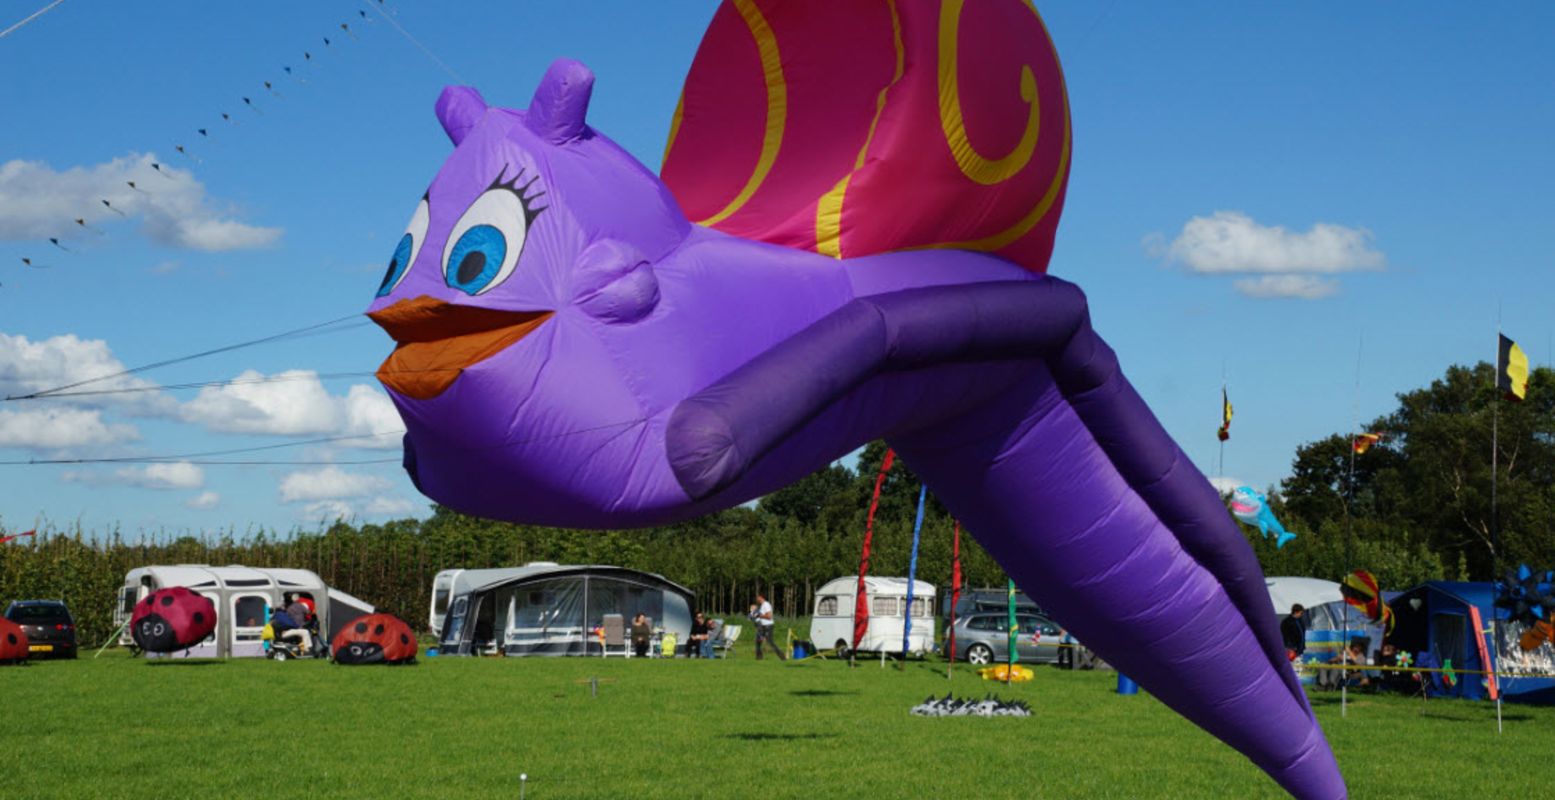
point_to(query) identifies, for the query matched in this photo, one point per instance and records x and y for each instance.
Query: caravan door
(248, 612)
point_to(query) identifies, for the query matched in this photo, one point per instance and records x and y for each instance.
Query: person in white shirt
(761, 614)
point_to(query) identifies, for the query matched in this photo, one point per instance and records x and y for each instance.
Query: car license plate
(42, 648)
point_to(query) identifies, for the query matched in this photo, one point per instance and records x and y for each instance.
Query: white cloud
(1226, 485)
(327, 511)
(204, 501)
(295, 403)
(1230, 242)
(329, 483)
(175, 475)
(57, 428)
(37, 202)
(169, 475)
(1302, 287)
(28, 366)
(389, 506)
(370, 411)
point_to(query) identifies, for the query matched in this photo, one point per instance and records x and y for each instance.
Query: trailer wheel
(979, 654)
(842, 648)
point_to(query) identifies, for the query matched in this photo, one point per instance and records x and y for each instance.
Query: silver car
(985, 639)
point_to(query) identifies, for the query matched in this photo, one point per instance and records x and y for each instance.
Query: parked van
(244, 597)
(832, 623)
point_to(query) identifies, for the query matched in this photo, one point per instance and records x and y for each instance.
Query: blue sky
(1210, 140)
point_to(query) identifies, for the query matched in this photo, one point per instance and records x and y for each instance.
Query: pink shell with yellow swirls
(851, 129)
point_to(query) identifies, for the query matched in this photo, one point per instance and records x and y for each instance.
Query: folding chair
(727, 636)
(615, 636)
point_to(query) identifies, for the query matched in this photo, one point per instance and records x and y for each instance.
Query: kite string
(214, 351)
(40, 12)
(413, 41)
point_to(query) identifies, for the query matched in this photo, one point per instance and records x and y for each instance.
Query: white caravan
(832, 624)
(244, 597)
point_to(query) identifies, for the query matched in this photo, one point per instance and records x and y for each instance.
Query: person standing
(1294, 632)
(761, 614)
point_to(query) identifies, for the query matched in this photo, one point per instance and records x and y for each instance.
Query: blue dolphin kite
(1252, 509)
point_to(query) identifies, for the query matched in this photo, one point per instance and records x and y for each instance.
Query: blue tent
(1433, 622)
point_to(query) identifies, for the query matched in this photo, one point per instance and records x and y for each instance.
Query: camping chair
(727, 636)
(615, 635)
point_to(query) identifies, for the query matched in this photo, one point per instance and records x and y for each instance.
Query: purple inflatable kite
(573, 351)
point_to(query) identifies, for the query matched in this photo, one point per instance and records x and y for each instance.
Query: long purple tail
(1102, 519)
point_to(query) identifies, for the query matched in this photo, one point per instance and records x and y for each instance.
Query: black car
(50, 629)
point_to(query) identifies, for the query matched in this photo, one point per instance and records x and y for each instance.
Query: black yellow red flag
(1225, 416)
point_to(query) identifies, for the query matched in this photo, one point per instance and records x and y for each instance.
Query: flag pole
(955, 597)
(1009, 667)
(1220, 465)
(861, 596)
(1349, 524)
(1495, 528)
(912, 573)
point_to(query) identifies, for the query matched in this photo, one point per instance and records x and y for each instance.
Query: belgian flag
(1512, 370)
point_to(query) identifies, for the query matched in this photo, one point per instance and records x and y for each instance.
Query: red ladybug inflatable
(172, 619)
(14, 647)
(374, 639)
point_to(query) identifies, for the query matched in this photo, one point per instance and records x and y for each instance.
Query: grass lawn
(121, 727)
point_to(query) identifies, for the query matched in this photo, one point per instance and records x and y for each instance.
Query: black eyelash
(525, 199)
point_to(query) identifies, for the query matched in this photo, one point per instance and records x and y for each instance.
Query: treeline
(786, 546)
(1419, 509)
(1419, 506)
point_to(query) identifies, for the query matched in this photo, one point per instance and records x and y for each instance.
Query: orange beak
(437, 340)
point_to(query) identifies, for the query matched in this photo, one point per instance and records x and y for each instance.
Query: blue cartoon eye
(476, 259)
(484, 246)
(405, 252)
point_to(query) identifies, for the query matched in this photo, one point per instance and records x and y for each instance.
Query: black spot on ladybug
(150, 600)
(199, 617)
(361, 627)
(167, 600)
(10, 638)
(404, 639)
(378, 631)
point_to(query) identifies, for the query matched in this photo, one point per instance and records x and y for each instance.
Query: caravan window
(440, 601)
(827, 606)
(885, 607)
(127, 602)
(249, 611)
(920, 606)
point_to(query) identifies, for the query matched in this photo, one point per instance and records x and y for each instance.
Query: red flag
(955, 589)
(861, 596)
(1364, 441)
(4, 539)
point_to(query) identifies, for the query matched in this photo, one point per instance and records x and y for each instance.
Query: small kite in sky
(28, 262)
(228, 117)
(110, 207)
(250, 104)
(186, 153)
(348, 31)
(132, 185)
(326, 41)
(56, 243)
(271, 89)
(1252, 509)
(158, 168)
(82, 222)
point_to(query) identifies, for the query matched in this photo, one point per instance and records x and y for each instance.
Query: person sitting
(292, 623)
(642, 634)
(698, 644)
(1392, 680)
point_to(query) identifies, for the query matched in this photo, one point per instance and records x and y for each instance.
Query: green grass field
(122, 727)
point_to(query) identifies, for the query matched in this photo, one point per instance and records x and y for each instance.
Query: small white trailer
(832, 624)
